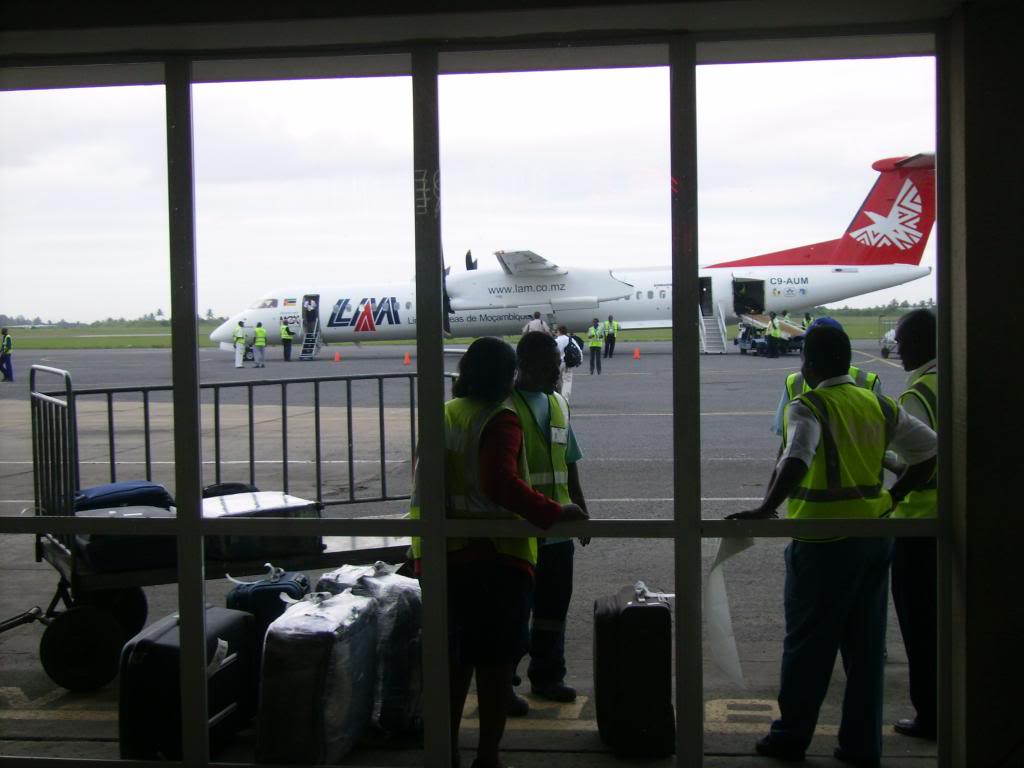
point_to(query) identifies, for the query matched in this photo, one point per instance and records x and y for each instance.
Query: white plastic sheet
(716, 611)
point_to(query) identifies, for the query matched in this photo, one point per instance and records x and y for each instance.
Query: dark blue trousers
(552, 592)
(915, 596)
(835, 600)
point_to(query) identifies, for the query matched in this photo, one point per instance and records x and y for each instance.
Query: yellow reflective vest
(611, 328)
(845, 476)
(464, 423)
(545, 454)
(286, 333)
(260, 339)
(795, 385)
(239, 335)
(922, 502)
(595, 336)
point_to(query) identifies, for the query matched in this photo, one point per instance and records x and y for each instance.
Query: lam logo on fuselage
(366, 315)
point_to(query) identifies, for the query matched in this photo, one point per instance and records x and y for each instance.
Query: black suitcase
(112, 553)
(261, 504)
(263, 598)
(129, 493)
(150, 696)
(633, 674)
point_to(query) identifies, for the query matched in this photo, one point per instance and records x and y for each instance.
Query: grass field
(158, 334)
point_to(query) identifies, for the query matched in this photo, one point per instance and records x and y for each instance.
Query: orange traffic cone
(407, 359)
(636, 353)
(337, 357)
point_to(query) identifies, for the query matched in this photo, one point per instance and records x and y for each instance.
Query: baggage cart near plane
(754, 328)
(887, 337)
(97, 607)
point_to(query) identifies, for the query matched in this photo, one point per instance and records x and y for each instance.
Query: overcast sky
(309, 184)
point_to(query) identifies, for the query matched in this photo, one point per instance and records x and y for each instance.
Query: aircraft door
(310, 312)
(747, 296)
(707, 304)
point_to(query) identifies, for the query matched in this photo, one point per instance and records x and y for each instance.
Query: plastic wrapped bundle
(319, 675)
(399, 684)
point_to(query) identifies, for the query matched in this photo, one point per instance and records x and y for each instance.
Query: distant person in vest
(773, 335)
(259, 346)
(914, 582)
(611, 328)
(595, 340)
(238, 337)
(796, 384)
(806, 322)
(551, 455)
(6, 347)
(490, 580)
(536, 324)
(286, 341)
(836, 588)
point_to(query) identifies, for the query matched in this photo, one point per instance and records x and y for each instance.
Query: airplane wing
(527, 262)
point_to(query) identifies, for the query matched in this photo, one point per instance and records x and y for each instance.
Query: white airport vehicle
(881, 248)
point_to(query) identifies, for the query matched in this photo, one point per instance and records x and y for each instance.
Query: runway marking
(879, 359)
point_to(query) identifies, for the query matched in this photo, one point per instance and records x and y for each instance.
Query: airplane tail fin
(891, 226)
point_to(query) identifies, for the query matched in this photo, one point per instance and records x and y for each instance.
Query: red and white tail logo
(891, 226)
(365, 321)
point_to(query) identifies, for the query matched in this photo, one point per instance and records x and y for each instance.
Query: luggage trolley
(94, 611)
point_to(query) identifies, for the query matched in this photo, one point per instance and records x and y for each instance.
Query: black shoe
(554, 692)
(843, 756)
(769, 747)
(517, 706)
(914, 727)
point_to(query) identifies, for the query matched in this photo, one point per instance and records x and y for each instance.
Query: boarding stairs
(712, 331)
(311, 344)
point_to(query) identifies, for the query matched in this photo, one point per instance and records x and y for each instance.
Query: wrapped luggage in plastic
(317, 684)
(399, 684)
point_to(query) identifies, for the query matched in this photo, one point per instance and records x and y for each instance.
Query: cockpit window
(265, 304)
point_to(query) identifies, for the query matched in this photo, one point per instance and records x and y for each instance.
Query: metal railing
(54, 444)
(285, 396)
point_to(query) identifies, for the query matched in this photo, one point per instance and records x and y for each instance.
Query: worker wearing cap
(238, 337)
(796, 385)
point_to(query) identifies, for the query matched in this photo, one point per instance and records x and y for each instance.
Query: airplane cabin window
(650, 294)
(408, 305)
(661, 294)
(265, 304)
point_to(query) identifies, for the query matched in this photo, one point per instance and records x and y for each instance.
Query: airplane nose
(224, 331)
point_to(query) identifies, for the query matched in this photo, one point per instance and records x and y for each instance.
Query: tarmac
(622, 420)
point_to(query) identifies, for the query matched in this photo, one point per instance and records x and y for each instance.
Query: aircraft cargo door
(707, 304)
(747, 296)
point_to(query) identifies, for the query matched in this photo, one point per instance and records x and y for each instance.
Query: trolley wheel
(128, 606)
(81, 648)
(743, 351)
(885, 353)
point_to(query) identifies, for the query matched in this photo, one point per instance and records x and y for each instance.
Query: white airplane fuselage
(489, 302)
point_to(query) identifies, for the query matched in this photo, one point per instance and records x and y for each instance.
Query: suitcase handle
(273, 574)
(642, 593)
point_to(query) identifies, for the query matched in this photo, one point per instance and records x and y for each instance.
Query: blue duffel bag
(129, 493)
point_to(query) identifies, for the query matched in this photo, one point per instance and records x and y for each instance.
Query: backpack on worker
(573, 354)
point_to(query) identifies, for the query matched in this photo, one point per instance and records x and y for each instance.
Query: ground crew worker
(286, 341)
(6, 347)
(835, 592)
(774, 335)
(551, 455)
(611, 328)
(490, 580)
(914, 583)
(806, 322)
(259, 346)
(595, 340)
(796, 385)
(238, 337)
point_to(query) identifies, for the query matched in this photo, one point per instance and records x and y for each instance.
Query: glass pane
(792, 230)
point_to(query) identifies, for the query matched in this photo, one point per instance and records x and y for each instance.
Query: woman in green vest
(490, 580)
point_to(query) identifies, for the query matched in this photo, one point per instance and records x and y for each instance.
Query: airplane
(881, 248)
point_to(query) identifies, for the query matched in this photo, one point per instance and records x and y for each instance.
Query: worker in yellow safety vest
(835, 591)
(6, 346)
(490, 579)
(611, 329)
(551, 454)
(595, 340)
(797, 385)
(286, 341)
(259, 346)
(914, 584)
(773, 336)
(238, 338)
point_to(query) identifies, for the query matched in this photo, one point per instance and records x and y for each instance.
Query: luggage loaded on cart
(99, 602)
